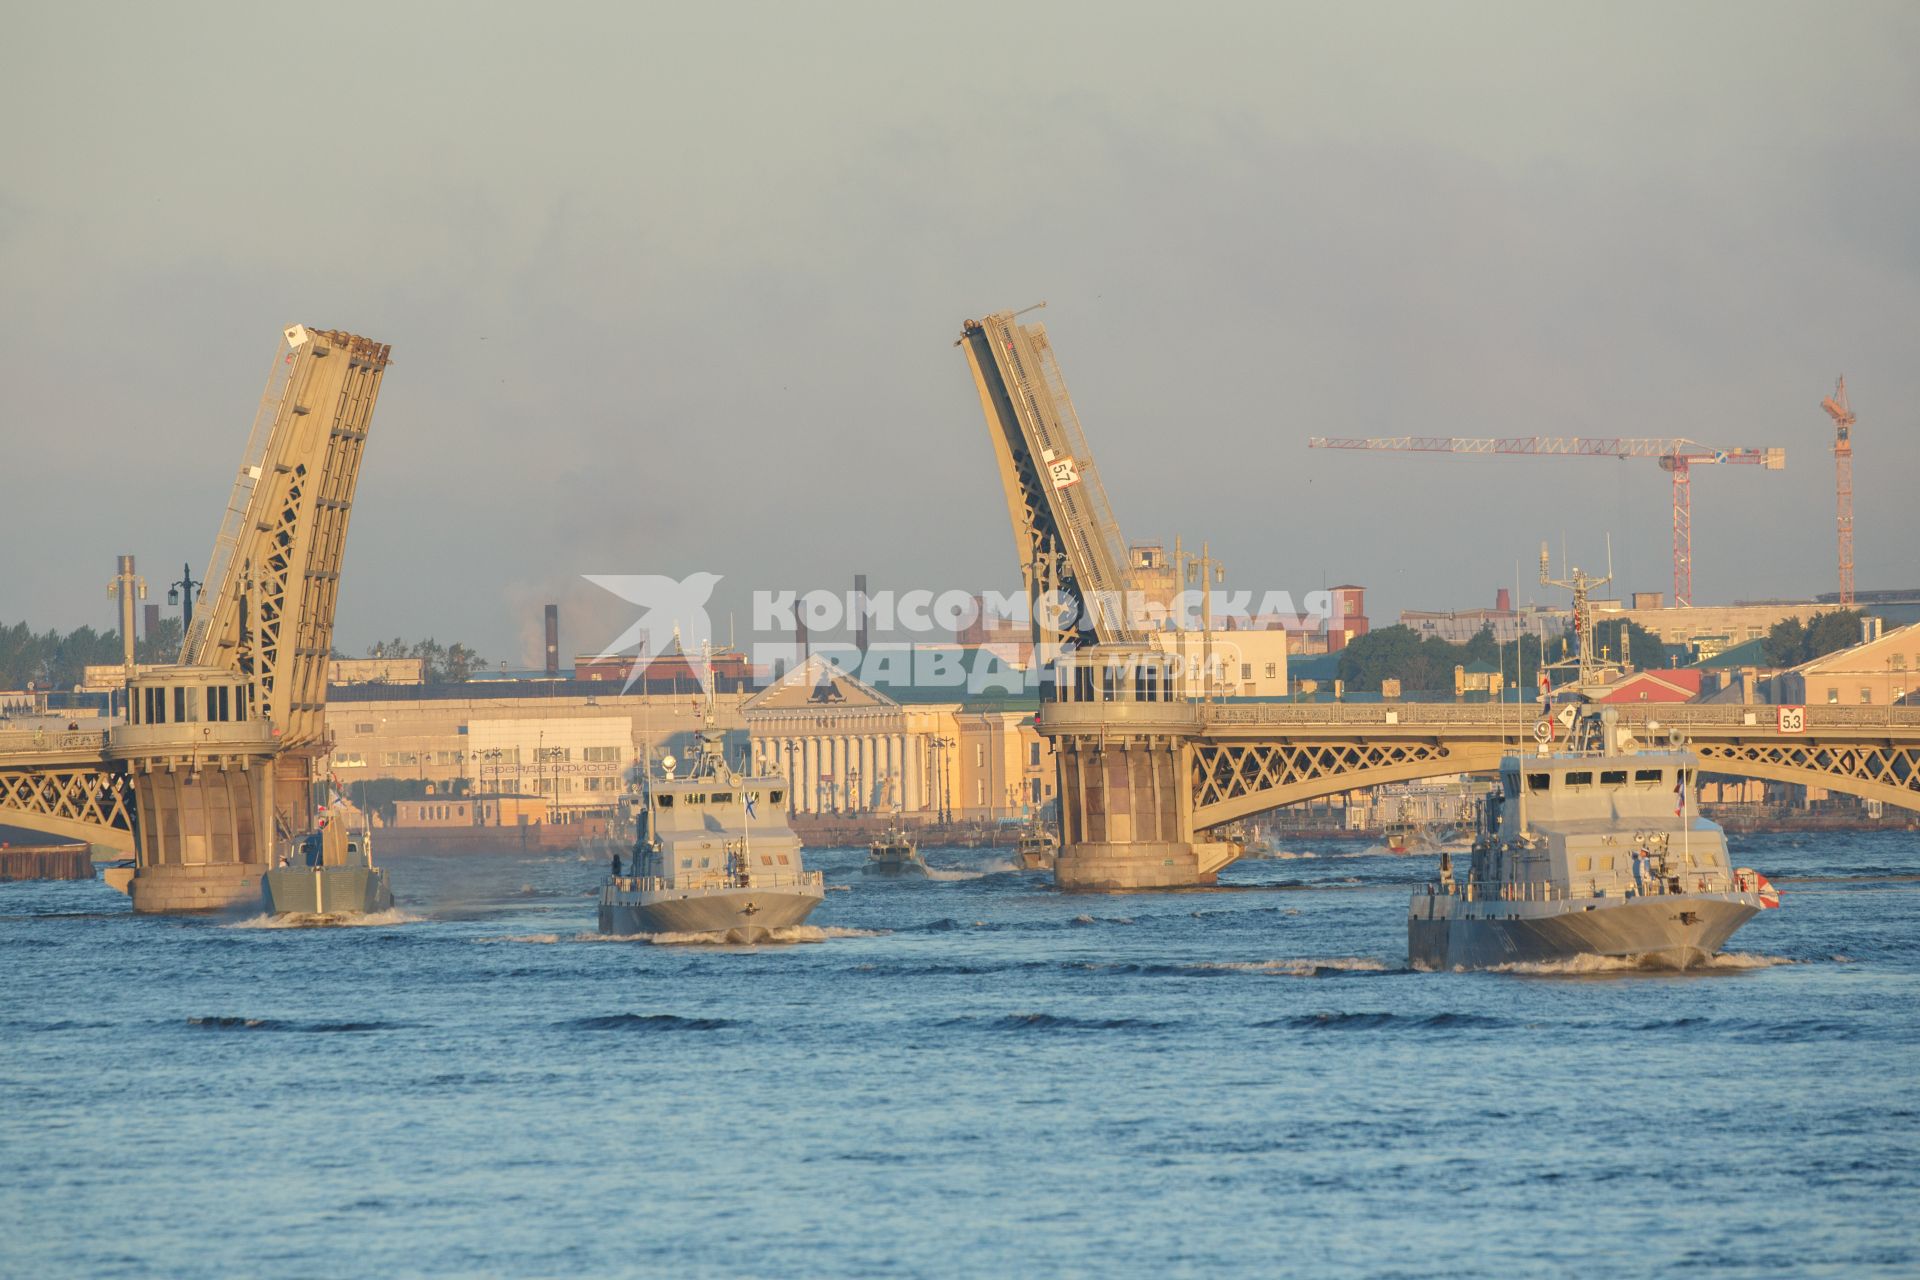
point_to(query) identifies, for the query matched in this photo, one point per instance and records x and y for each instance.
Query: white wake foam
(787, 934)
(298, 920)
(1305, 967)
(1575, 966)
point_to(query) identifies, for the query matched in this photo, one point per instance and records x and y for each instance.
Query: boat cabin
(1587, 826)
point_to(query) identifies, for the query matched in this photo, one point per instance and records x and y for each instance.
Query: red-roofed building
(1673, 684)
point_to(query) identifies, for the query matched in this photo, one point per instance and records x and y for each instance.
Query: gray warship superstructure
(1590, 849)
(327, 874)
(713, 853)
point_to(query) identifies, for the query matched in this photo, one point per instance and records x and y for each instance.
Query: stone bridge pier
(1124, 735)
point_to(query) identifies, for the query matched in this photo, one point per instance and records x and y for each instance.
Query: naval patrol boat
(328, 873)
(895, 854)
(713, 853)
(1590, 849)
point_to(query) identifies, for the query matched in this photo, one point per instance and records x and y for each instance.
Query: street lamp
(942, 791)
(181, 593)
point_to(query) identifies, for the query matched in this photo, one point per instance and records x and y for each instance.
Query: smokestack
(149, 619)
(553, 640)
(130, 590)
(860, 613)
(1503, 601)
(801, 644)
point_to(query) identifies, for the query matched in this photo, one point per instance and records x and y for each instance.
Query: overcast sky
(673, 288)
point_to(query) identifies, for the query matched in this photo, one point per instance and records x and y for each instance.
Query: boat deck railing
(1692, 881)
(721, 880)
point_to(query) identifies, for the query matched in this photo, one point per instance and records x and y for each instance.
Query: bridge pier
(206, 785)
(1123, 736)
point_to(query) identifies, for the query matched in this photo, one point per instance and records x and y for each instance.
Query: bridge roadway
(1247, 758)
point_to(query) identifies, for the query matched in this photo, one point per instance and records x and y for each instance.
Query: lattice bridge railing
(86, 802)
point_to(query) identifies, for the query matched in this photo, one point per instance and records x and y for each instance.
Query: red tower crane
(1842, 415)
(1675, 456)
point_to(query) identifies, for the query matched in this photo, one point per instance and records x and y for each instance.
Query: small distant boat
(1036, 850)
(330, 873)
(894, 854)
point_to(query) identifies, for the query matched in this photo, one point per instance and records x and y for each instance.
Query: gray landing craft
(327, 874)
(713, 854)
(1592, 850)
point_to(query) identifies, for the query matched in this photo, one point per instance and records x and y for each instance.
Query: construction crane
(1676, 456)
(1842, 415)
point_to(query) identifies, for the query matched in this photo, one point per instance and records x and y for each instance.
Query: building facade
(1880, 672)
(846, 747)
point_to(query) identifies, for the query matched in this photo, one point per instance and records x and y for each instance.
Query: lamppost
(942, 790)
(182, 593)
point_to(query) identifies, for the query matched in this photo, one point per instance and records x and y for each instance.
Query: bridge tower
(1117, 709)
(221, 748)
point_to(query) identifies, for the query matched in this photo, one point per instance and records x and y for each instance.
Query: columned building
(845, 747)
(842, 745)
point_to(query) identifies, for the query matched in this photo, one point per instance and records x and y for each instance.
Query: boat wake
(956, 873)
(1587, 966)
(716, 938)
(726, 938)
(300, 920)
(1306, 967)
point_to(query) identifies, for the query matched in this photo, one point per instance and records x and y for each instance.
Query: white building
(579, 762)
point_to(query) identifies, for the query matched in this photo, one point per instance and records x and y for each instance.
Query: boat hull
(897, 868)
(1669, 932)
(744, 915)
(326, 891)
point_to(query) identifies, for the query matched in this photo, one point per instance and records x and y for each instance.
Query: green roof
(1748, 653)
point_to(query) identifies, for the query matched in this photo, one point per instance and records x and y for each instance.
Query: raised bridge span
(216, 760)
(1146, 771)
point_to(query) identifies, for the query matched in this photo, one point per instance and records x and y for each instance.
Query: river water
(970, 1076)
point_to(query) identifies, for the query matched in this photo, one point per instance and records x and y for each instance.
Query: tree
(439, 664)
(1791, 642)
(52, 660)
(1643, 650)
(162, 643)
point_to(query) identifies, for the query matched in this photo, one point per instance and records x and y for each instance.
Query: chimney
(149, 619)
(553, 640)
(801, 645)
(1503, 601)
(860, 613)
(1870, 626)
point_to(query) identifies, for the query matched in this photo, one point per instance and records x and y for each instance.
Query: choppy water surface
(969, 1076)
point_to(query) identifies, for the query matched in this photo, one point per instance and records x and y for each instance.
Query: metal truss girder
(87, 802)
(1233, 780)
(1884, 771)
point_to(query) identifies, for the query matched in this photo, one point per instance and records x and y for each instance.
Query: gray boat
(1591, 850)
(327, 874)
(1036, 849)
(713, 854)
(895, 854)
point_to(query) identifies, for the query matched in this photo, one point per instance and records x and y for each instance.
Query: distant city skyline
(668, 294)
